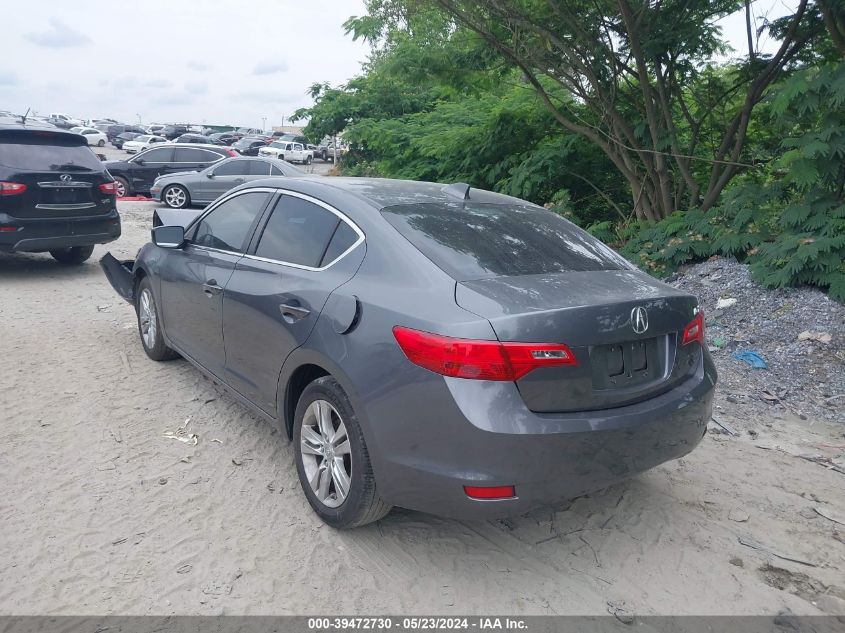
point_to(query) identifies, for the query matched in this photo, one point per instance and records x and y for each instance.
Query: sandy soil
(100, 513)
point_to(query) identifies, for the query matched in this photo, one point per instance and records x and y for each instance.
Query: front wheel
(176, 197)
(149, 325)
(331, 458)
(72, 256)
(308, 160)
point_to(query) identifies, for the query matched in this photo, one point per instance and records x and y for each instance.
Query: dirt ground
(100, 513)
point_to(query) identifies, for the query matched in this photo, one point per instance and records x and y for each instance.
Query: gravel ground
(805, 377)
(102, 513)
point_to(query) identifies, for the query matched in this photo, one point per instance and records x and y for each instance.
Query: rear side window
(298, 232)
(275, 171)
(228, 226)
(343, 238)
(258, 168)
(474, 241)
(193, 155)
(33, 154)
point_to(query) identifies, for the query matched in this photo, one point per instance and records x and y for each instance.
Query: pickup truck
(289, 151)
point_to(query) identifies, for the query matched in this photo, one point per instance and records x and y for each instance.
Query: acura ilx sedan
(439, 348)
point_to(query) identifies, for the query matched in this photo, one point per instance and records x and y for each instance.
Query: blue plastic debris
(751, 357)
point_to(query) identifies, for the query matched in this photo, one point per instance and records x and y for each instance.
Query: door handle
(239, 180)
(292, 313)
(210, 288)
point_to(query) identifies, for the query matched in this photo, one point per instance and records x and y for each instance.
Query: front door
(278, 290)
(193, 278)
(149, 165)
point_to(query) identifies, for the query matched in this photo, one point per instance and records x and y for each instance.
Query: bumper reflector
(490, 492)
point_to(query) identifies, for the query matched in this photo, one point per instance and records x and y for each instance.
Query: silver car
(188, 188)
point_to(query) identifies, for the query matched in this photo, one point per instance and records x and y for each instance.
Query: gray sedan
(188, 188)
(434, 347)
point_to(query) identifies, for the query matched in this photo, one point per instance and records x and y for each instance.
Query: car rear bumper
(491, 439)
(44, 234)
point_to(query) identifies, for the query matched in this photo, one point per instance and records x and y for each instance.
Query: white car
(95, 137)
(67, 119)
(140, 143)
(289, 151)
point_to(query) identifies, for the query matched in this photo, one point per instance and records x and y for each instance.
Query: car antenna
(458, 190)
(24, 115)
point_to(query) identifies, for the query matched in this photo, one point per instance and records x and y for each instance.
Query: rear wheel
(122, 186)
(102, 143)
(149, 325)
(331, 458)
(308, 160)
(176, 197)
(73, 255)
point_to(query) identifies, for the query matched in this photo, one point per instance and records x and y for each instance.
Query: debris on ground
(750, 357)
(831, 515)
(798, 332)
(183, 434)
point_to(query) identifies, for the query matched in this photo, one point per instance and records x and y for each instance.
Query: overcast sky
(195, 61)
(208, 61)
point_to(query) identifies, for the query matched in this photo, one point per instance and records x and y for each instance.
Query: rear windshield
(31, 154)
(475, 241)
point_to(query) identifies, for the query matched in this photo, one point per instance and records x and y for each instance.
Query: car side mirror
(210, 174)
(168, 236)
(141, 161)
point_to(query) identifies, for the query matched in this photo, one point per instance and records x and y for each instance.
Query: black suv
(171, 132)
(55, 194)
(137, 175)
(249, 145)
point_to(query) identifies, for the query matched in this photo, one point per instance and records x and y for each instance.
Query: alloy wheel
(175, 197)
(147, 318)
(326, 453)
(121, 190)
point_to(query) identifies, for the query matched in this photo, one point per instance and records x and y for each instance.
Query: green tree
(634, 80)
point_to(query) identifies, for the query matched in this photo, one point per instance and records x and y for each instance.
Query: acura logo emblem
(65, 177)
(639, 320)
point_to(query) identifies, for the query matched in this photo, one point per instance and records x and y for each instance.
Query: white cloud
(270, 68)
(59, 35)
(8, 78)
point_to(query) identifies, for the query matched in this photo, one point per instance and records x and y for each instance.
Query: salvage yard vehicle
(288, 151)
(92, 136)
(55, 194)
(136, 175)
(439, 348)
(142, 142)
(203, 187)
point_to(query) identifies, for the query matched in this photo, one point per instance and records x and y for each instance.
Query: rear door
(192, 159)
(149, 165)
(301, 253)
(193, 278)
(61, 176)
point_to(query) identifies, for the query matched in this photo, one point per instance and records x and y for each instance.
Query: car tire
(101, 143)
(176, 197)
(325, 156)
(122, 187)
(72, 256)
(149, 324)
(308, 160)
(322, 401)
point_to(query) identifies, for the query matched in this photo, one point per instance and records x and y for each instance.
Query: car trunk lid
(624, 328)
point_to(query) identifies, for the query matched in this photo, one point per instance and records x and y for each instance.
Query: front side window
(232, 168)
(298, 232)
(228, 226)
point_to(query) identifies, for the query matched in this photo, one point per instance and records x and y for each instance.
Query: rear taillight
(11, 188)
(109, 187)
(490, 492)
(231, 152)
(480, 360)
(695, 330)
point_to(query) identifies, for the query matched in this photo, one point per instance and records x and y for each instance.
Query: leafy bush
(789, 222)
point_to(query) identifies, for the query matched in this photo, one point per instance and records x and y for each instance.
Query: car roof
(387, 192)
(10, 124)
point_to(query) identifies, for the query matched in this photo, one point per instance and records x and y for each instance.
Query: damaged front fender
(120, 275)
